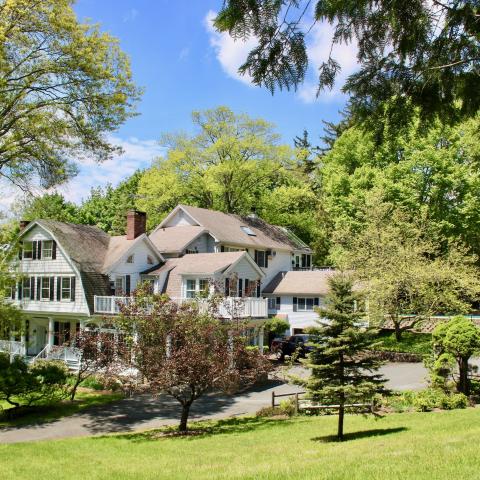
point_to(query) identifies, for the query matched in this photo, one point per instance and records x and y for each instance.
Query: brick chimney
(23, 224)
(136, 224)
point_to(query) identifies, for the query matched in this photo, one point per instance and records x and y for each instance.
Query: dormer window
(248, 231)
(130, 259)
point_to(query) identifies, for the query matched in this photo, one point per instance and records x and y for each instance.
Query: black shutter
(240, 287)
(20, 250)
(316, 301)
(304, 260)
(258, 289)
(52, 289)
(54, 250)
(20, 290)
(295, 302)
(267, 253)
(278, 301)
(247, 292)
(127, 284)
(39, 246)
(34, 250)
(32, 288)
(12, 292)
(256, 257)
(59, 288)
(56, 333)
(309, 261)
(72, 289)
(222, 248)
(39, 287)
(227, 287)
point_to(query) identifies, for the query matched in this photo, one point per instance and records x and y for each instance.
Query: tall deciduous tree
(227, 165)
(423, 53)
(64, 85)
(343, 372)
(406, 273)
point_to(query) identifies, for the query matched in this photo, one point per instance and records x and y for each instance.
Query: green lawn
(419, 343)
(439, 446)
(45, 413)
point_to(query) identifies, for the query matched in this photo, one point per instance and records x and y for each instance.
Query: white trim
(172, 213)
(249, 259)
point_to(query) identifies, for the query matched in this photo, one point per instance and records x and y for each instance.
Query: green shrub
(424, 401)
(94, 382)
(286, 407)
(276, 325)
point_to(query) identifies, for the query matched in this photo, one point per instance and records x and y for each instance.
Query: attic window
(130, 259)
(149, 260)
(248, 231)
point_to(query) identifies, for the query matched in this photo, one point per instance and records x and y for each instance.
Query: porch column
(23, 337)
(51, 331)
(260, 339)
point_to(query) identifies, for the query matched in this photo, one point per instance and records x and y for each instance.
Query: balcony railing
(248, 307)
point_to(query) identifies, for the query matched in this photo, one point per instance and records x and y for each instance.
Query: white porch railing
(69, 355)
(13, 347)
(247, 307)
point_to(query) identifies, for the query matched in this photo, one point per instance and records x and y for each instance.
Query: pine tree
(343, 372)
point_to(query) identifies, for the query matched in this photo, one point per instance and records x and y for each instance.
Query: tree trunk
(398, 331)
(463, 385)
(341, 414)
(184, 418)
(78, 381)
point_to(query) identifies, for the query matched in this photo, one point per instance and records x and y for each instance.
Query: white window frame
(42, 288)
(198, 289)
(24, 251)
(264, 252)
(131, 259)
(26, 287)
(150, 260)
(47, 252)
(122, 280)
(62, 289)
(272, 303)
(305, 302)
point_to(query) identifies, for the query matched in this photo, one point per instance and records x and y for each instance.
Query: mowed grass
(431, 446)
(418, 343)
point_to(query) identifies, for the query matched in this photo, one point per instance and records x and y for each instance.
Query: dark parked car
(282, 347)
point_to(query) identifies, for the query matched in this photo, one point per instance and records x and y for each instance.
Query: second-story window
(261, 258)
(26, 288)
(45, 288)
(66, 289)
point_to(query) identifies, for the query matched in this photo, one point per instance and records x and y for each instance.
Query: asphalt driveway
(145, 412)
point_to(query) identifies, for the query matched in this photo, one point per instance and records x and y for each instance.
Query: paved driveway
(144, 412)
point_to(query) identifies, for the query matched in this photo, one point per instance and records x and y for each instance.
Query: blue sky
(184, 65)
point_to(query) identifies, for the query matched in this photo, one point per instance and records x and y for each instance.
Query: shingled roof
(175, 239)
(312, 282)
(227, 228)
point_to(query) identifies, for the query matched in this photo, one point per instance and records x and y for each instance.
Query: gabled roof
(175, 239)
(227, 228)
(205, 263)
(308, 283)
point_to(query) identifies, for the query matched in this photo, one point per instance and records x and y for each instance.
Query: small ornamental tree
(343, 372)
(459, 339)
(98, 353)
(185, 353)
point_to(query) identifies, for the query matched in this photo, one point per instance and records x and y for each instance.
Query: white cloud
(229, 52)
(318, 50)
(136, 154)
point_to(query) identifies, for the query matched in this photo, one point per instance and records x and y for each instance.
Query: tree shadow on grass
(376, 432)
(204, 429)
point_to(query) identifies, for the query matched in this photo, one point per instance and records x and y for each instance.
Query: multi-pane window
(26, 288)
(130, 259)
(191, 289)
(47, 249)
(305, 303)
(272, 303)
(66, 288)
(119, 286)
(196, 287)
(27, 250)
(260, 258)
(45, 288)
